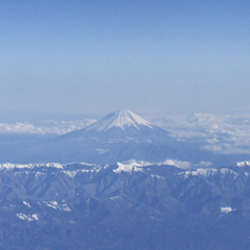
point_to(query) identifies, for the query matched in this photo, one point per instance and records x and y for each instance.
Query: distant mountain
(135, 206)
(120, 136)
(123, 126)
(116, 202)
(122, 119)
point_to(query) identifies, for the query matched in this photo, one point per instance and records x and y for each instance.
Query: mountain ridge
(113, 206)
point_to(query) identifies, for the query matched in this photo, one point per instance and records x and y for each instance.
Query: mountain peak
(120, 119)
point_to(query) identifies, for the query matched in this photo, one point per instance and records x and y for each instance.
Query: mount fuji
(123, 119)
(121, 135)
(121, 126)
(118, 137)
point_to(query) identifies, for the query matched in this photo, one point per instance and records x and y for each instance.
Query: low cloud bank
(48, 127)
(222, 134)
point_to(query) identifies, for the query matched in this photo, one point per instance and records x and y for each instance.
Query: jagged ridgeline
(120, 199)
(124, 206)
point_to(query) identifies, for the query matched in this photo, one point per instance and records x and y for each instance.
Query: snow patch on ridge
(208, 172)
(26, 204)
(172, 162)
(242, 164)
(55, 205)
(226, 210)
(129, 167)
(29, 217)
(134, 165)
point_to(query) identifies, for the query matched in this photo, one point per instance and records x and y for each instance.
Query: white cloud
(226, 210)
(172, 162)
(219, 133)
(178, 164)
(48, 127)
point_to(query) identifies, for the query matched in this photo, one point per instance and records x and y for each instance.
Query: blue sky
(74, 58)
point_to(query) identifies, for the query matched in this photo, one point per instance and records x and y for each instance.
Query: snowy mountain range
(140, 189)
(131, 205)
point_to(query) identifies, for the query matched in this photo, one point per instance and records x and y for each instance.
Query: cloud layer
(218, 133)
(48, 127)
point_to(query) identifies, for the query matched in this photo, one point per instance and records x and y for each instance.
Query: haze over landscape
(65, 60)
(124, 125)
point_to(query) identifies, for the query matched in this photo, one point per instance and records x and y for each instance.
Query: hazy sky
(60, 58)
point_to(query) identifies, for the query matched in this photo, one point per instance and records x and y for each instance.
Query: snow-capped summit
(120, 128)
(120, 119)
(242, 164)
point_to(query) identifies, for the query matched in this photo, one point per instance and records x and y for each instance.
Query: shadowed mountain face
(124, 206)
